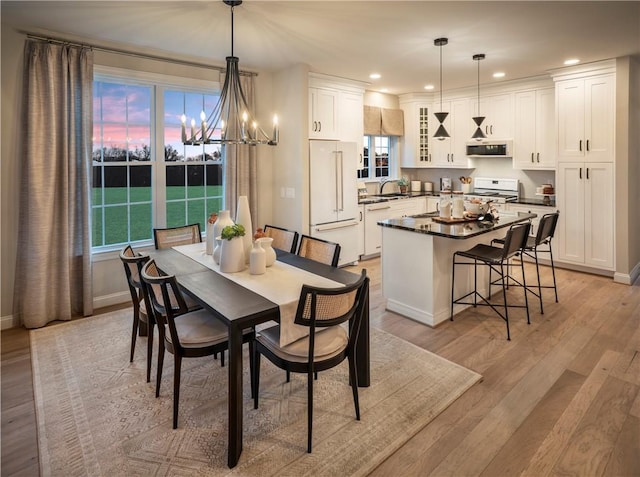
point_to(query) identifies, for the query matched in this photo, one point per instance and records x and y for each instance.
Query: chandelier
(231, 116)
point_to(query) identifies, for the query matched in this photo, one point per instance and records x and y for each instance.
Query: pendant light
(441, 132)
(478, 135)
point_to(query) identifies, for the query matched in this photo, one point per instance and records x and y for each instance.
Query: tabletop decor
(232, 257)
(257, 259)
(267, 244)
(224, 219)
(243, 217)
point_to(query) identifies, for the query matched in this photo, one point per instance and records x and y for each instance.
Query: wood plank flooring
(561, 398)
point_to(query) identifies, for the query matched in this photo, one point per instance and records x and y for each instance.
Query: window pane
(117, 225)
(175, 183)
(97, 185)
(141, 227)
(195, 181)
(140, 183)
(176, 214)
(115, 185)
(196, 213)
(96, 227)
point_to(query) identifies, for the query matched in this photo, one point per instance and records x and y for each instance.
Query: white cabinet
(323, 113)
(534, 134)
(416, 141)
(360, 230)
(451, 152)
(373, 213)
(586, 226)
(406, 207)
(433, 204)
(498, 113)
(351, 120)
(585, 109)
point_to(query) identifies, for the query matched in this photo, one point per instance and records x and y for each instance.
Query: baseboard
(109, 300)
(7, 322)
(628, 278)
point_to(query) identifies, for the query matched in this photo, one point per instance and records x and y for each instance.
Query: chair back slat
(319, 250)
(170, 237)
(283, 239)
(515, 240)
(547, 227)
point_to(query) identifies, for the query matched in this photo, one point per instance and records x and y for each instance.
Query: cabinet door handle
(538, 157)
(486, 129)
(587, 173)
(532, 157)
(319, 126)
(580, 145)
(491, 129)
(587, 147)
(580, 173)
(452, 157)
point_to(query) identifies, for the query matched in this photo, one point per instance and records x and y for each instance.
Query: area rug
(97, 416)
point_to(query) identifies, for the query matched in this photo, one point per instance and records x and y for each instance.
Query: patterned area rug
(98, 417)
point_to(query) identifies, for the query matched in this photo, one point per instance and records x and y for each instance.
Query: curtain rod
(61, 41)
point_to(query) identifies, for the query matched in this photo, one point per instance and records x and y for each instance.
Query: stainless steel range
(499, 191)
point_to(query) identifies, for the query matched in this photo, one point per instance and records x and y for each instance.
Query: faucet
(383, 183)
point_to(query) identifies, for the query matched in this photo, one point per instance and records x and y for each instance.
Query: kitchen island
(416, 257)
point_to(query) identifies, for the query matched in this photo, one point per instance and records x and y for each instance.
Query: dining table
(240, 308)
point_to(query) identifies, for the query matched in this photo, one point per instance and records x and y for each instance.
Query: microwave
(489, 148)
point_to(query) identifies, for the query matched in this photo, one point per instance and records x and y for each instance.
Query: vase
(210, 235)
(257, 260)
(224, 219)
(232, 255)
(269, 252)
(243, 217)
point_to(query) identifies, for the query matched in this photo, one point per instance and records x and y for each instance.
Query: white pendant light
(478, 135)
(441, 132)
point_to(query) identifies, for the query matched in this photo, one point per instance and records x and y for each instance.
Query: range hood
(490, 148)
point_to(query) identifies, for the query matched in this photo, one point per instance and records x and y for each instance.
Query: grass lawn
(112, 214)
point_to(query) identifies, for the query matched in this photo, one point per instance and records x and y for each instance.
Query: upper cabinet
(534, 129)
(323, 113)
(498, 112)
(336, 110)
(415, 142)
(585, 117)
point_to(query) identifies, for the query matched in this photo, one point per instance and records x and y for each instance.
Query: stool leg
(453, 282)
(535, 253)
(553, 272)
(504, 294)
(524, 287)
(475, 282)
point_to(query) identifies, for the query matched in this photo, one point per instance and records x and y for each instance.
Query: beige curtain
(240, 165)
(53, 269)
(383, 122)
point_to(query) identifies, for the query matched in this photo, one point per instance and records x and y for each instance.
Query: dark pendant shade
(441, 132)
(478, 134)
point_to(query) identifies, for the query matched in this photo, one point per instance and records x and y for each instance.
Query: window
(143, 175)
(378, 157)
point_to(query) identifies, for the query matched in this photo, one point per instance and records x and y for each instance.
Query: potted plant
(232, 257)
(403, 184)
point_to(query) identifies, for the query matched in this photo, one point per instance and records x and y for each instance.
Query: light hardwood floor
(560, 398)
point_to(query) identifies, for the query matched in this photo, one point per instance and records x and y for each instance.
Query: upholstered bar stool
(540, 243)
(497, 259)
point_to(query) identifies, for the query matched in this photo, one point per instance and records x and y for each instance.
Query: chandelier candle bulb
(183, 119)
(203, 126)
(193, 130)
(275, 129)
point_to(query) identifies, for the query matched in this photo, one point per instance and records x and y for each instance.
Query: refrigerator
(333, 199)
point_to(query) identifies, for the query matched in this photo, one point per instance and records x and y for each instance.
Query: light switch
(291, 193)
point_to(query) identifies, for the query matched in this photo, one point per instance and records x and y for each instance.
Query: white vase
(270, 253)
(257, 260)
(243, 217)
(224, 219)
(210, 238)
(232, 255)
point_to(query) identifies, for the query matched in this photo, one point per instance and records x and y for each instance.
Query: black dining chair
(540, 243)
(283, 239)
(184, 333)
(497, 259)
(319, 250)
(323, 310)
(142, 312)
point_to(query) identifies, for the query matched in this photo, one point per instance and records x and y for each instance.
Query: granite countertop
(372, 199)
(424, 224)
(551, 202)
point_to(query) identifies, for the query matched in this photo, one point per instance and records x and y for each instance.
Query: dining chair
(142, 312)
(183, 235)
(184, 333)
(540, 243)
(323, 310)
(319, 250)
(497, 260)
(283, 239)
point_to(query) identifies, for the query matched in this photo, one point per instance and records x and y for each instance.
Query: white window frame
(394, 171)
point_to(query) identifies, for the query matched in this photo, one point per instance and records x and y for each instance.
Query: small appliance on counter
(362, 190)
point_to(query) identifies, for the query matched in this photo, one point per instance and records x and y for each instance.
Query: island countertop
(424, 224)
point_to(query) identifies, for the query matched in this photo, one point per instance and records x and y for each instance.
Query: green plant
(232, 231)
(403, 181)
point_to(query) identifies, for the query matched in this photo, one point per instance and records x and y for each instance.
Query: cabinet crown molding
(587, 69)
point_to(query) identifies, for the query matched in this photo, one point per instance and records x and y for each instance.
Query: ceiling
(352, 39)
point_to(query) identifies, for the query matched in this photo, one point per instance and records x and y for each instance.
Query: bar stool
(497, 259)
(546, 229)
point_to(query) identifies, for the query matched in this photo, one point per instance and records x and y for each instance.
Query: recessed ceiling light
(429, 86)
(498, 74)
(374, 76)
(572, 61)
(384, 90)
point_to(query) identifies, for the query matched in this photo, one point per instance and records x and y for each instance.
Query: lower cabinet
(586, 226)
(374, 213)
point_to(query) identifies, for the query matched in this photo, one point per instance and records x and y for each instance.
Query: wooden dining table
(239, 309)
